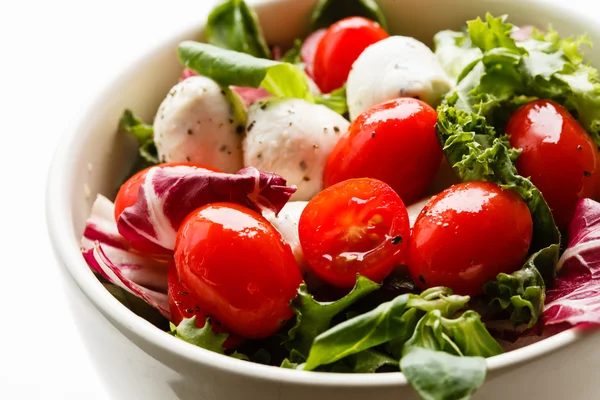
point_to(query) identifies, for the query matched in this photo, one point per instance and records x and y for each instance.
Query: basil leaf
(386, 322)
(228, 67)
(436, 375)
(143, 133)
(335, 100)
(329, 12)
(233, 25)
(313, 317)
(203, 337)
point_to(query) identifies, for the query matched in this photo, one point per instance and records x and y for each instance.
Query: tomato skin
(467, 235)
(128, 194)
(558, 156)
(341, 45)
(309, 50)
(184, 304)
(238, 267)
(394, 142)
(359, 226)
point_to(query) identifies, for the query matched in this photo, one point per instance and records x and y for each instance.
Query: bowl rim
(59, 225)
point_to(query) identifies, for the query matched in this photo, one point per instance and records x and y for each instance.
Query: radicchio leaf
(111, 256)
(171, 193)
(575, 297)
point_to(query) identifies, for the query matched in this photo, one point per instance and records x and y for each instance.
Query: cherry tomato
(309, 50)
(359, 226)
(394, 142)
(467, 235)
(128, 194)
(341, 45)
(184, 304)
(238, 267)
(558, 156)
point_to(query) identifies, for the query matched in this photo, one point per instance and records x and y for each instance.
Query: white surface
(55, 56)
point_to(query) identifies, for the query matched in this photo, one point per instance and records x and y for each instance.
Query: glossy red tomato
(239, 268)
(558, 156)
(394, 142)
(184, 304)
(359, 226)
(467, 235)
(341, 45)
(128, 194)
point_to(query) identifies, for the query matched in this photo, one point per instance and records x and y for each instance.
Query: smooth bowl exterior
(138, 361)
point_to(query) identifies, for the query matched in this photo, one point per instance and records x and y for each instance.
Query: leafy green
(143, 133)
(228, 67)
(444, 359)
(369, 361)
(544, 66)
(388, 321)
(478, 153)
(293, 55)
(203, 337)
(313, 317)
(233, 25)
(328, 12)
(335, 100)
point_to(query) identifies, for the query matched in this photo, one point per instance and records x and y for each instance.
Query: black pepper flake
(397, 240)
(223, 148)
(229, 153)
(251, 126)
(336, 129)
(373, 134)
(239, 129)
(422, 278)
(190, 132)
(587, 174)
(178, 303)
(579, 147)
(189, 311)
(164, 159)
(325, 130)
(188, 159)
(290, 124)
(221, 125)
(259, 156)
(223, 92)
(183, 293)
(303, 165)
(263, 106)
(316, 146)
(231, 121)
(306, 179)
(282, 321)
(197, 308)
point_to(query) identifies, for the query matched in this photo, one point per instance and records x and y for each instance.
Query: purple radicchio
(108, 254)
(170, 193)
(575, 298)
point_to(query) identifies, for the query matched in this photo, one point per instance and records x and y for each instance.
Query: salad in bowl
(360, 202)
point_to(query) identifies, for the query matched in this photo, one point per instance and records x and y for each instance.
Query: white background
(54, 56)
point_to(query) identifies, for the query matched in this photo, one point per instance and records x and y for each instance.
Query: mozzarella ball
(395, 67)
(286, 222)
(292, 138)
(201, 122)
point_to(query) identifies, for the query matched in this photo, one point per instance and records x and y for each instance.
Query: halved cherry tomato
(558, 156)
(359, 226)
(394, 142)
(128, 194)
(238, 267)
(341, 45)
(184, 304)
(467, 235)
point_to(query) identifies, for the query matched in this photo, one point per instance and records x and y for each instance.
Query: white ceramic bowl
(138, 361)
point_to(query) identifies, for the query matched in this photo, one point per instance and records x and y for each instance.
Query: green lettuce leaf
(444, 359)
(203, 337)
(233, 25)
(293, 55)
(143, 133)
(328, 12)
(369, 361)
(313, 317)
(335, 100)
(478, 153)
(388, 321)
(455, 53)
(228, 67)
